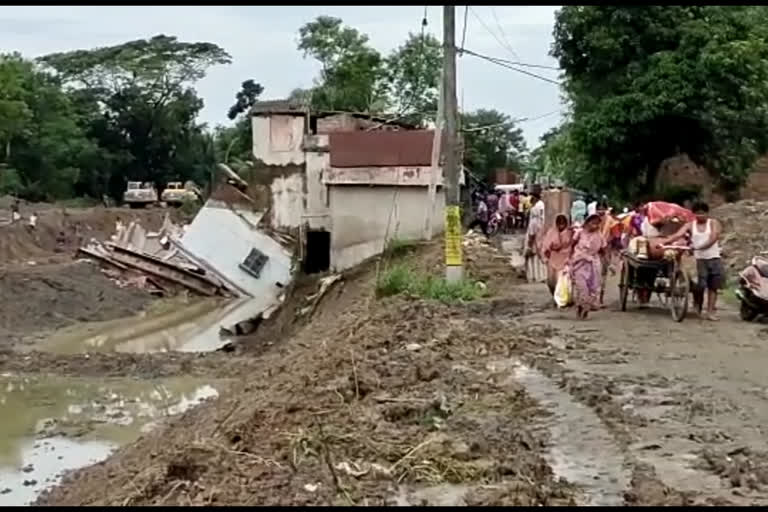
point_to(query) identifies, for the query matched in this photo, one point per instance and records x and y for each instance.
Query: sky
(262, 43)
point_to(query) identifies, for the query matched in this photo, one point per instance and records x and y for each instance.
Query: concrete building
(342, 184)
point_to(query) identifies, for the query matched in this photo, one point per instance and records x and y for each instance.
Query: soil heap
(744, 232)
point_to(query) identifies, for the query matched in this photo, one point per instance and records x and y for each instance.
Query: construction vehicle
(140, 195)
(175, 193)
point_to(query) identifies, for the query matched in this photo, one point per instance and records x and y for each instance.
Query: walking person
(556, 248)
(705, 235)
(535, 270)
(585, 266)
(481, 217)
(578, 211)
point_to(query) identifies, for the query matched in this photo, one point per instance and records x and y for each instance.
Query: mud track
(405, 401)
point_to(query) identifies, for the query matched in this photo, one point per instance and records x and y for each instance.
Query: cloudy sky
(262, 42)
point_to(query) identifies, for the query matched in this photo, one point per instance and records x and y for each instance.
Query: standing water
(582, 450)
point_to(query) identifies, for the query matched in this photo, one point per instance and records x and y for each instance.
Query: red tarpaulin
(658, 211)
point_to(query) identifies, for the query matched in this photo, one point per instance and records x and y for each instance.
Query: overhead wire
(488, 29)
(464, 31)
(503, 34)
(503, 64)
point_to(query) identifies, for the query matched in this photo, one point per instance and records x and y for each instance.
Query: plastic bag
(563, 289)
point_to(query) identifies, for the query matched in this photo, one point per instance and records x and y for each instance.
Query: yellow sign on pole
(453, 252)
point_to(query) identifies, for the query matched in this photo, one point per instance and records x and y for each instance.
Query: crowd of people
(586, 243)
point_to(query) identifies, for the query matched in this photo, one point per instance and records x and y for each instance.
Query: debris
(312, 487)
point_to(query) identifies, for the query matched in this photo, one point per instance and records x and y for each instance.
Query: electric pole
(454, 261)
(435, 164)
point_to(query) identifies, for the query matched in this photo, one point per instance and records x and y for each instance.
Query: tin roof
(381, 148)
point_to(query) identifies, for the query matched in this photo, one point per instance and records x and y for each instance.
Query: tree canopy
(491, 141)
(355, 77)
(646, 83)
(138, 104)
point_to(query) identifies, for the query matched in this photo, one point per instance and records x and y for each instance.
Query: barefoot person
(585, 265)
(705, 239)
(556, 248)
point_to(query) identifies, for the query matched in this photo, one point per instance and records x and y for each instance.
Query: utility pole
(434, 164)
(454, 261)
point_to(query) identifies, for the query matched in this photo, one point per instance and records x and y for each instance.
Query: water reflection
(52, 424)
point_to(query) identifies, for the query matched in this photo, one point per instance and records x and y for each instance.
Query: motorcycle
(753, 289)
(495, 223)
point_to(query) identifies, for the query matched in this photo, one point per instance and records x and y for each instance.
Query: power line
(508, 66)
(503, 34)
(464, 31)
(488, 29)
(512, 121)
(526, 64)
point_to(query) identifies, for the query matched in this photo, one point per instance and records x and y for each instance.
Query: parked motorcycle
(753, 289)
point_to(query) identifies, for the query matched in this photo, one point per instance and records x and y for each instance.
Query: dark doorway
(318, 257)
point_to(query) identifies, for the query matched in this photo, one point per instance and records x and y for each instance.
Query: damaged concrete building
(341, 184)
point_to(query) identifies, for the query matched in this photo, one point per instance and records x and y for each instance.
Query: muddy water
(193, 327)
(582, 450)
(50, 425)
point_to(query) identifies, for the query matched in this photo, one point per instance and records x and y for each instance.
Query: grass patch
(402, 279)
(397, 247)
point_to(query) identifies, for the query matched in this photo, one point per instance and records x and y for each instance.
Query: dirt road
(409, 401)
(687, 401)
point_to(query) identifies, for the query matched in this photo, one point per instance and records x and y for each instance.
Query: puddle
(582, 451)
(50, 425)
(193, 327)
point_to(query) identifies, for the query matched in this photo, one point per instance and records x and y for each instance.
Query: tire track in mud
(659, 477)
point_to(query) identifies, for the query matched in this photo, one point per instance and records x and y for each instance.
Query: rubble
(744, 233)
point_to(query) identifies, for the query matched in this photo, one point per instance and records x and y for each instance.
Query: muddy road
(363, 400)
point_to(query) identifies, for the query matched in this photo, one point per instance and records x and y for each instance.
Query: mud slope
(372, 402)
(18, 244)
(39, 299)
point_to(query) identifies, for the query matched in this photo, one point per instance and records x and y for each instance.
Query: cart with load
(665, 276)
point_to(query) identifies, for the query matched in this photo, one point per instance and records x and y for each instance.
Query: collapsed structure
(327, 190)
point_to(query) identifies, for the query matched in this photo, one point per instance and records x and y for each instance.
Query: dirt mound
(19, 244)
(36, 299)
(744, 233)
(373, 402)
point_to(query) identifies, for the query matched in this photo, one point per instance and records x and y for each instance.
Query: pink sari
(586, 269)
(556, 248)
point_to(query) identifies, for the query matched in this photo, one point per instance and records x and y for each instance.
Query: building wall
(360, 215)
(318, 166)
(223, 236)
(278, 139)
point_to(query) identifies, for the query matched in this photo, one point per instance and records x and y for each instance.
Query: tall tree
(413, 77)
(143, 91)
(351, 70)
(491, 141)
(646, 83)
(44, 148)
(245, 98)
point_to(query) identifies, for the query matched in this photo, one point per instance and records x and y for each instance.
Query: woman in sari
(556, 248)
(585, 265)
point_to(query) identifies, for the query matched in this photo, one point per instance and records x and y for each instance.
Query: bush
(401, 279)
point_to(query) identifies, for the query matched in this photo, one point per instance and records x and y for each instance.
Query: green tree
(413, 78)
(351, 75)
(44, 147)
(646, 83)
(245, 98)
(147, 107)
(491, 141)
